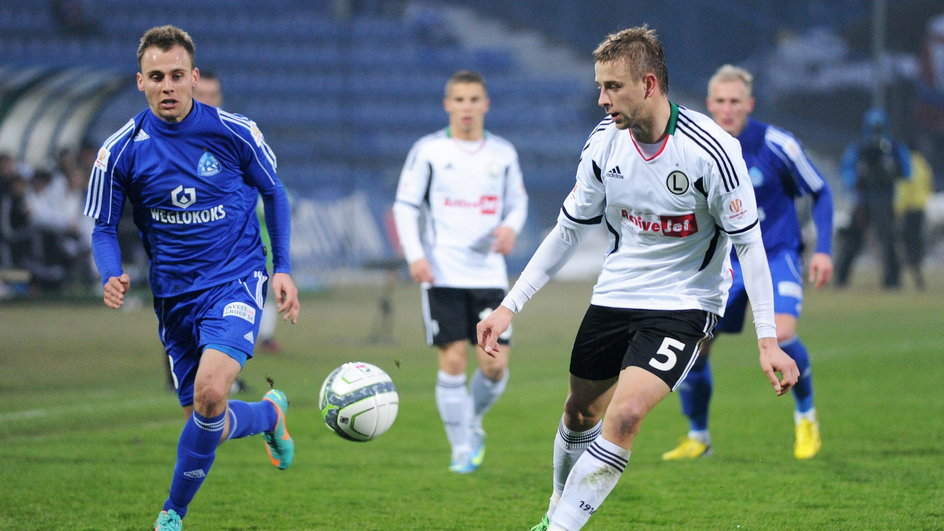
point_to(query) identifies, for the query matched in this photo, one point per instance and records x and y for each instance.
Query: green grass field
(88, 433)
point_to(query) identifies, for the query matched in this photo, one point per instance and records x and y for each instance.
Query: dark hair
(640, 48)
(465, 76)
(165, 38)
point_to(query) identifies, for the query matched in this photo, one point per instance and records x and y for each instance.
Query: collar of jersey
(669, 131)
(463, 148)
(174, 128)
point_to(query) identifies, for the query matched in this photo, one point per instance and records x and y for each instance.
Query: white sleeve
(406, 219)
(750, 251)
(552, 254)
(516, 198)
(732, 202)
(411, 193)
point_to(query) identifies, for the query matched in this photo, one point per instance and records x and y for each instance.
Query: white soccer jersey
(464, 191)
(671, 218)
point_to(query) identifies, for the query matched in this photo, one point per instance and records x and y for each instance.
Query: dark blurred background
(342, 88)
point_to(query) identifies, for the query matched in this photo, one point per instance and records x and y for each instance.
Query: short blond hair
(641, 50)
(730, 73)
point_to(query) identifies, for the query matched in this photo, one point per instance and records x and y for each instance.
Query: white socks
(485, 393)
(591, 480)
(808, 415)
(568, 447)
(703, 436)
(455, 409)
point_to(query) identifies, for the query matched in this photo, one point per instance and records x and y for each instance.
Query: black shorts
(450, 314)
(663, 342)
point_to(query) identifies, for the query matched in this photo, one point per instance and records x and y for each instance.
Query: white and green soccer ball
(358, 401)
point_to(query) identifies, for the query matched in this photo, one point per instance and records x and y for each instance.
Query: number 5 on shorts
(671, 358)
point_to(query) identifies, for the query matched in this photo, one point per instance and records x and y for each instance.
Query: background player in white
(780, 173)
(193, 174)
(673, 191)
(466, 184)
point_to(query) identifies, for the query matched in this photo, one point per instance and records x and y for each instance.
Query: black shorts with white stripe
(663, 342)
(450, 314)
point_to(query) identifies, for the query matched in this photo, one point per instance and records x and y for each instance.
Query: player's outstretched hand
(505, 238)
(488, 329)
(774, 360)
(821, 269)
(115, 290)
(286, 295)
(421, 271)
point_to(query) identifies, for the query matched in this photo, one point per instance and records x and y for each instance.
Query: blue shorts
(786, 271)
(225, 316)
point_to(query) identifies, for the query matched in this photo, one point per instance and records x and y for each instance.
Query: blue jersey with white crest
(781, 172)
(194, 186)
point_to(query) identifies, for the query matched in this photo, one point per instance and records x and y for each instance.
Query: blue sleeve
(259, 164)
(106, 250)
(822, 213)
(904, 160)
(849, 159)
(279, 223)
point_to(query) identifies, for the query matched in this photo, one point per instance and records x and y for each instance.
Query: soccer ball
(358, 401)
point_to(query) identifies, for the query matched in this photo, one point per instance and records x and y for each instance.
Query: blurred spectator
(47, 202)
(911, 196)
(870, 168)
(15, 232)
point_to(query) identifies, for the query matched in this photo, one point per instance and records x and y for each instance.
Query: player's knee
(628, 417)
(209, 400)
(580, 417)
(495, 370)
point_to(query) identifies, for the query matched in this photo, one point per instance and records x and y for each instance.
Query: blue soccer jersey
(194, 186)
(781, 172)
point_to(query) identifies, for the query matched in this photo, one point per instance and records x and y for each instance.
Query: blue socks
(695, 394)
(196, 451)
(250, 418)
(695, 391)
(803, 390)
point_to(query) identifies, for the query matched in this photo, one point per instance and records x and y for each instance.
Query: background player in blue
(192, 173)
(780, 173)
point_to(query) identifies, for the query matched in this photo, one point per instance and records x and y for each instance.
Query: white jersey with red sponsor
(464, 191)
(670, 210)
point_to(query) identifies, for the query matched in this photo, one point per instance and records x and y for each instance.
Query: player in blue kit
(780, 172)
(193, 174)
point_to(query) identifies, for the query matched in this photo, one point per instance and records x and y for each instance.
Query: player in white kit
(673, 191)
(460, 205)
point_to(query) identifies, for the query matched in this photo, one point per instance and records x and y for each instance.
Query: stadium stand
(339, 94)
(342, 87)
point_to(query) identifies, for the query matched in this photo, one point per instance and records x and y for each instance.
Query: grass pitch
(88, 433)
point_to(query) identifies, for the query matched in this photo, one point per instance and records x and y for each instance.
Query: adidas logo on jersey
(141, 136)
(613, 174)
(249, 337)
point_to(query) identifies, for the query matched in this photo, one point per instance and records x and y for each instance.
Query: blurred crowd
(45, 240)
